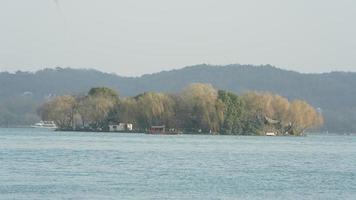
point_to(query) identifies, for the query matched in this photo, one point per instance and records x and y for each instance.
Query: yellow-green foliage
(198, 107)
(203, 109)
(293, 117)
(60, 110)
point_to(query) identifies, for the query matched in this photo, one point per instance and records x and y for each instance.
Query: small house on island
(157, 129)
(120, 127)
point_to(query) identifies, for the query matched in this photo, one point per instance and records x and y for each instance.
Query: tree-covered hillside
(333, 93)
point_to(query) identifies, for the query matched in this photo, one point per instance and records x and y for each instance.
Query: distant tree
(234, 112)
(256, 106)
(126, 111)
(96, 107)
(155, 109)
(203, 111)
(103, 92)
(302, 116)
(268, 112)
(60, 110)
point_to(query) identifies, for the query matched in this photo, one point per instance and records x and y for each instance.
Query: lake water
(52, 165)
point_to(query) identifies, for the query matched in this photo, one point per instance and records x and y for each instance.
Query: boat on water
(45, 125)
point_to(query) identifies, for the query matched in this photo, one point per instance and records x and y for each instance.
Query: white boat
(45, 125)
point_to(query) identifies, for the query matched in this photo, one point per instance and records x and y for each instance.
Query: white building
(270, 134)
(120, 127)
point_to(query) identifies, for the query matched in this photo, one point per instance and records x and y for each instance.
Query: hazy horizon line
(172, 69)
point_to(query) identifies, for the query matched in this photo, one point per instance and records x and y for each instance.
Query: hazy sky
(131, 37)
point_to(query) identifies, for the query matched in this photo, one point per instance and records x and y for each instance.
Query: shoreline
(183, 133)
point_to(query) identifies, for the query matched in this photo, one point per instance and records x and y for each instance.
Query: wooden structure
(162, 130)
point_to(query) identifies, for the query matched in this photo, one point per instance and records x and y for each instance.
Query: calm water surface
(52, 165)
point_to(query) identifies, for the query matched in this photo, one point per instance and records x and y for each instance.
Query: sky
(132, 37)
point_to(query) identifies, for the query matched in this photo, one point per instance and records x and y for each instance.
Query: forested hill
(334, 92)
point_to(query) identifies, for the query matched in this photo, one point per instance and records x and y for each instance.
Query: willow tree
(303, 116)
(127, 111)
(272, 109)
(257, 105)
(268, 112)
(203, 111)
(155, 109)
(60, 110)
(96, 107)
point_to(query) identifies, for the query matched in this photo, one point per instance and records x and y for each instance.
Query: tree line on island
(199, 108)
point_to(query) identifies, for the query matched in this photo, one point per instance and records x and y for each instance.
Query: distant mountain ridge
(333, 92)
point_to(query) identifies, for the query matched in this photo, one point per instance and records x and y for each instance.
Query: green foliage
(103, 92)
(234, 113)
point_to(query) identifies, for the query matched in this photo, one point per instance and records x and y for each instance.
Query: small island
(197, 109)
